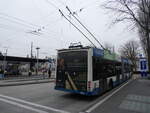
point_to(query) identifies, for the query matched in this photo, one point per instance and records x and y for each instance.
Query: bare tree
(144, 17)
(137, 13)
(130, 50)
(142, 36)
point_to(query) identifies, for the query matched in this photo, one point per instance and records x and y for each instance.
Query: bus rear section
(72, 69)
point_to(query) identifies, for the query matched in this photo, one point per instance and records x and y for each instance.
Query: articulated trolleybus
(90, 71)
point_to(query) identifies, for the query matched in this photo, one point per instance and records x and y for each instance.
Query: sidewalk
(24, 80)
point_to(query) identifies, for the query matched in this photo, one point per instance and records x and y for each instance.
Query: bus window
(98, 69)
(72, 70)
(103, 68)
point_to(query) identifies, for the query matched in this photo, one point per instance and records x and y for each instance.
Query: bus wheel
(110, 84)
(126, 78)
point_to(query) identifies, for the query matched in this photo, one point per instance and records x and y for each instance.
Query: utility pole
(4, 62)
(31, 63)
(37, 60)
(31, 50)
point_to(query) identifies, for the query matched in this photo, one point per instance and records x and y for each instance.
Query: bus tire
(110, 84)
(105, 86)
(126, 78)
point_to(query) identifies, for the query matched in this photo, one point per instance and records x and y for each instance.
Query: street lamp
(37, 60)
(4, 62)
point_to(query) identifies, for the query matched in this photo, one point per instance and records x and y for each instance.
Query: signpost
(143, 66)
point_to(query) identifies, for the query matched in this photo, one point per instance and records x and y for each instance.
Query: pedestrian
(43, 72)
(49, 73)
(30, 73)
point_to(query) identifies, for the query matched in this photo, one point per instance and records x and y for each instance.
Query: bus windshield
(72, 68)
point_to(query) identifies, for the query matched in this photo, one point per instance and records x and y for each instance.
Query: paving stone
(145, 99)
(135, 106)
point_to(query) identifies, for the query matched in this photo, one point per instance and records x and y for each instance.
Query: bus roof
(69, 49)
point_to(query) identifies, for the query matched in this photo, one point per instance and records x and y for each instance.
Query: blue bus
(90, 71)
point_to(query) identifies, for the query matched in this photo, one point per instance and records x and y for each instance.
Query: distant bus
(89, 71)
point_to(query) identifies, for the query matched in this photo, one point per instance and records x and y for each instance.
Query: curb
(26, 83)
(22, 79)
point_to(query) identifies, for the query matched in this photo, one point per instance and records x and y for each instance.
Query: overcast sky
(19, 17)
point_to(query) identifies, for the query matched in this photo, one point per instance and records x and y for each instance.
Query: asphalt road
(42, 98)
(40, 94)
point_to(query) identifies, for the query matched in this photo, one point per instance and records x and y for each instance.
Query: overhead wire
(16, 22)
(71, 13)
(52, 4)
(74, 13)
(9, 38)
(89, 3)
(62, 3)
(21, 20)
(6, 27)
(77, 28)
(52, 22)
(45, 17)
(29, 24)
(23, 23)
(2, 26)
(71, 23)
(39, 26)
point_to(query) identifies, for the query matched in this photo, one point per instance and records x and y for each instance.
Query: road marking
(33, 104)
(105, 99)
(23, 106)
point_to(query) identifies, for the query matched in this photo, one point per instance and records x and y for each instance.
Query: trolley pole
(37, 60)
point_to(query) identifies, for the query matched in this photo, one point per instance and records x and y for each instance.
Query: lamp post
(4, 62)
(37, 60)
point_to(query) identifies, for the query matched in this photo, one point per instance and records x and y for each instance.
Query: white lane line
(22, 106)
(33, 104)
(105, 99)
